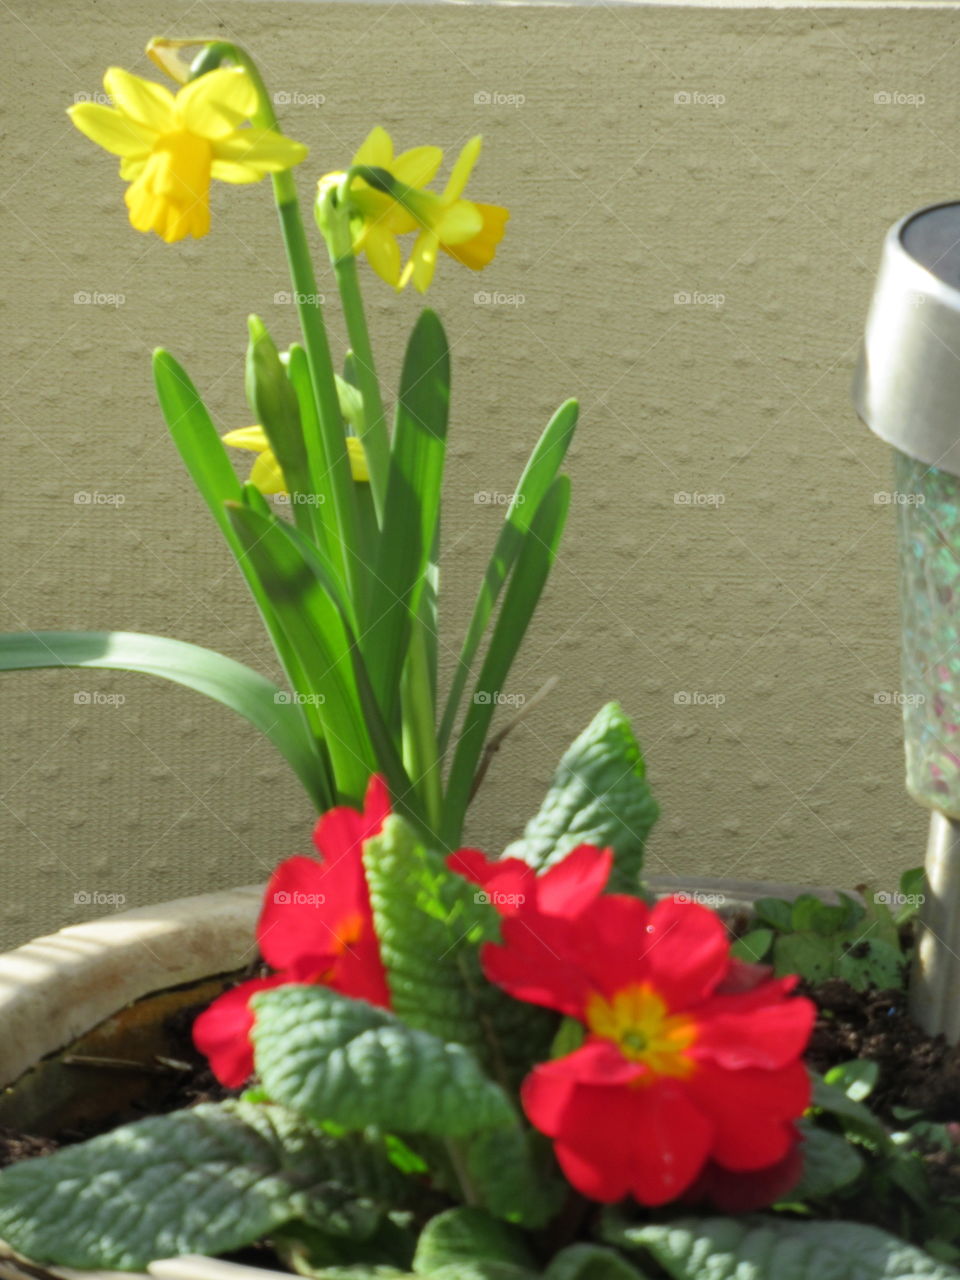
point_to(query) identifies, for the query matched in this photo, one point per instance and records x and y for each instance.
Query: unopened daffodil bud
(168, 55)
(270, 395)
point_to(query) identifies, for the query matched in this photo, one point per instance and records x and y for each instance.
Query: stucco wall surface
(698, 197)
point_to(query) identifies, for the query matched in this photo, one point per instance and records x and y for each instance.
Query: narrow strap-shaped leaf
(539, 473)
(195, 436)
(412, 506)
(247, 692)
(205, 458)
(527, 581)
(389, 761)
(326, 530)
(314, 629)
(254, 499)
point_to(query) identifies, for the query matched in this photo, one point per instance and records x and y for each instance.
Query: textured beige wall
(782, 599)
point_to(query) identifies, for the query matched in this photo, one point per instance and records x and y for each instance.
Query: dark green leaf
(869, 963)
(854, 1118)
(516, 1176)
(807, 954)
(810, 914)
(766, 1248)
(776, 912)
(829, 1163)
(332, 1058)
(465, 1235)
(591, 1262)
(600, 796)
(753, 946)
(205, 1180)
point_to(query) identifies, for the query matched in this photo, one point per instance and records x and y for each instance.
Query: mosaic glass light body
(928, 521)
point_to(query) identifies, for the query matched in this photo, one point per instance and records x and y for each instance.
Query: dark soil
(184, 1080)
(917, 1071)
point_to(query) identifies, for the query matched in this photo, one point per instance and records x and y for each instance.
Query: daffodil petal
(131, 167)
(148, 103)
(214, 104)
(266, 474)
(418, 166)
(462, 221)
(383, 253)
(247, 438)
(255, 152)
(462, 169)
(376, 150)
(358, 459)
(423, 262)
(111, 129)
(235, 172)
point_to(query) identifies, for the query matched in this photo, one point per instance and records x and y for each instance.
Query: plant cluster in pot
(430, 1062)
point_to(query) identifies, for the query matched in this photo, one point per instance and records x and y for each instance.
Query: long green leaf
(527, 581)
(315, 630)
(389, 762)
(325, 528)
(412, 507)
(205, 458)
(247, 692)
(195, 436)
(538, 475)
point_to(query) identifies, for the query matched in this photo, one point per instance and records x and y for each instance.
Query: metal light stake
(907, 390)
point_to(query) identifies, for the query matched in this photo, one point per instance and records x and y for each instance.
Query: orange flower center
(349, 931)
(637, 1021)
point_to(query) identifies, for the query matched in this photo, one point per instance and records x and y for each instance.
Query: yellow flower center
(637, 1021)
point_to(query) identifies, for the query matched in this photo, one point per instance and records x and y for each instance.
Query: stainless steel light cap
(907, 384)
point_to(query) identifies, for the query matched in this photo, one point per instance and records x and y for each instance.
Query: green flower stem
(314, 335)
(376, 441)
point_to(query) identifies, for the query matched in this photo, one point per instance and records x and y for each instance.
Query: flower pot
(105, 990)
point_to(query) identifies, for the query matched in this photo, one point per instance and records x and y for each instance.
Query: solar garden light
(907, 390)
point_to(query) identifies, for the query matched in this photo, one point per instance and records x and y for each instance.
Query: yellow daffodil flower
(377, 218)
(266, 473)
(467, 231)
(172, 145)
